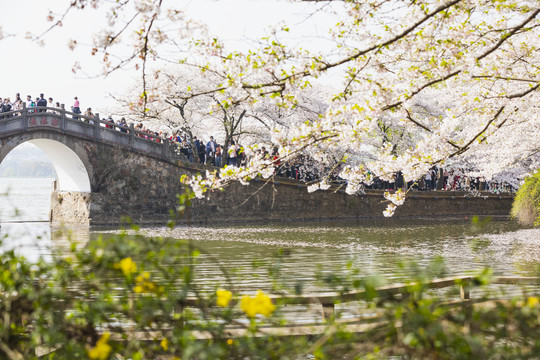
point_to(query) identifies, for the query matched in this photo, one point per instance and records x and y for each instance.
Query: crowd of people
(212, 153)
(209, 153)
(443, 179)
(17, 104)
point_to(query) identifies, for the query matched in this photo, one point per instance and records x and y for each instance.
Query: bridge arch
(72, 167)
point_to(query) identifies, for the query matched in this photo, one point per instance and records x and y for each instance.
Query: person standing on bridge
(76, 108)
(211, 152)
(5, 107)
(124, 125)
(51, 104)
(17, 105)
(110, 120)
(42, 102)
(90, 116)
(8, 106)
(30, 104)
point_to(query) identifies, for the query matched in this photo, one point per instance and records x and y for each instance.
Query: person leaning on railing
(89, 116)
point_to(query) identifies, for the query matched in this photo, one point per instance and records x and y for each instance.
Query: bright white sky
(31, 69)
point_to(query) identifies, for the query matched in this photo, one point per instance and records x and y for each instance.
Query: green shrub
(526, 206)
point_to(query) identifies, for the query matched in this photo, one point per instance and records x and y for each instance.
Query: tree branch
(507, 36)
(427, 129)
(466, 146)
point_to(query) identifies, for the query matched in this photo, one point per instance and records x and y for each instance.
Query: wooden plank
(516, 280)
(464, 291)
(263, 331)
(329, 299)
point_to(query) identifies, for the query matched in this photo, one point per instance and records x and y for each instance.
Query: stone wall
(70, 207)
(262, 201)
(258, 202)
(129, 185)
(145, 188)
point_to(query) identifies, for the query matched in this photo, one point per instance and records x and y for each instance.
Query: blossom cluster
(143, 282)
(396, 199)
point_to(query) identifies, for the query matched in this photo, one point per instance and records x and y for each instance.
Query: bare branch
(507, 36)
(466, 146)
(409, 117)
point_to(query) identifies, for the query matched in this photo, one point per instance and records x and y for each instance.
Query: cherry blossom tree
(167, 101)
(417, 84)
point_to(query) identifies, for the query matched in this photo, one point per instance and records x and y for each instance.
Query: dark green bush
(526, 206)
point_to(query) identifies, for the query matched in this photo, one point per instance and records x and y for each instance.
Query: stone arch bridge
(105, 172)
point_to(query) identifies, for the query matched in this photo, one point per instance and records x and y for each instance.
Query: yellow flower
(127, 266)
(230, 341)
(532, 301)
(164, 344)
(248, 305)
(260, 304)
(223, 297)
(102, 350)
(145, 285)
(145, 275)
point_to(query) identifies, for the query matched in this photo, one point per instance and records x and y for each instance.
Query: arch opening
(26, 175)
(70, 170)
(27, 161)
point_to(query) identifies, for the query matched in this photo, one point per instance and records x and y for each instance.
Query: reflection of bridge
(98, 163)
(106, 171)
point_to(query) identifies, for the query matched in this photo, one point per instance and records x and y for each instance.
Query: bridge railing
(91, 127)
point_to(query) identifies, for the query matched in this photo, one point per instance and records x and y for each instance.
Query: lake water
(24, 214)
(376, 248)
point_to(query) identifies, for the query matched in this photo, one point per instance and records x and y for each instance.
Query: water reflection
(295, 253)
(250, 253)
(39, 239)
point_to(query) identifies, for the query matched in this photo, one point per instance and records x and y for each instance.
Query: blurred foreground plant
(134, 297)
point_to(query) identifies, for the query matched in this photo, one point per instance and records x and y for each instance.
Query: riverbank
(278, 201)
